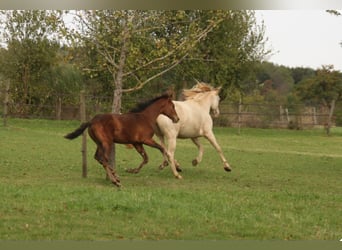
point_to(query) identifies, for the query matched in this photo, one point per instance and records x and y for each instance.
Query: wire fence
(254, 115)
(275, 115)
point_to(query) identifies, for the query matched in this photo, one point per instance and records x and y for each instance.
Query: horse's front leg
(169, 153)
(140, 149)
(211, 138)
(199, 157)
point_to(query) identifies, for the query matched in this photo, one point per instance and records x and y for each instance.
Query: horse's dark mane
(143, 105)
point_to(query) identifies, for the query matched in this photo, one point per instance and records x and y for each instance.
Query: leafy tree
(300, 73)
(275, 82)
(62, 80)
(325, 87)
(32, 47)
(228, 54)
(334, 12)
(135, 47)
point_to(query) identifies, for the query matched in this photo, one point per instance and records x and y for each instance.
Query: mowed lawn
(284, 185)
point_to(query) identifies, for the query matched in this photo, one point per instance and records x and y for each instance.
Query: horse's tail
(78, 131)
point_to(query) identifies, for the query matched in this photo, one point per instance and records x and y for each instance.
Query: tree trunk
(117, 95)
(6, 101)
(239, 114)
(331, 112)
(25, 99)
(116, 107)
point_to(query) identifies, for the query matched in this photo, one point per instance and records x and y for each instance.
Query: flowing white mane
(198, 90)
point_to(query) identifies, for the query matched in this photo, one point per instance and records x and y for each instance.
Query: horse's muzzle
(215, 113)
(175, 119)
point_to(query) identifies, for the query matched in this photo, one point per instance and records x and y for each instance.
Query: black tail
(78, 131)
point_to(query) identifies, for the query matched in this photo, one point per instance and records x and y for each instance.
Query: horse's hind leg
(102, 155)
(111, 174)
(140, 149)
(211, 138)
(103, 151)
(200, 151)
(98, 155)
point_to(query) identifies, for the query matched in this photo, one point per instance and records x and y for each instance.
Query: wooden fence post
(239, 115)
(59, 108)
(281, 114)
(84, 136)
(287, 115)
(6, 101)
(314, 117)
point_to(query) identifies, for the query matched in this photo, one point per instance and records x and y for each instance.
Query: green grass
(284, 185)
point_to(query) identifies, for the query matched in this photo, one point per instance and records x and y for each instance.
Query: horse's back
(114, 120)
(121, 128)
(101, 126)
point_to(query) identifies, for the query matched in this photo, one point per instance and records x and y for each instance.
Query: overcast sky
(303, 38)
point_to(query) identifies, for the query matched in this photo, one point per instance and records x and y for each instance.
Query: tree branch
(140, 85)
(178, 48)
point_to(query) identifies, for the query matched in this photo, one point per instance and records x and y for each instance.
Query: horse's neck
(151, 112)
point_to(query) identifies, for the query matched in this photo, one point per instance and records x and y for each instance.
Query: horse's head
(215, 101)
(204, 93)
(169, 109)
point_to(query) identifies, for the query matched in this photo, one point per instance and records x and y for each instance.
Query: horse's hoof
(179, 177)
(132, 170)
(117, 183)
(228, 169)
(194, 162)
(178, 169)
(163, 165)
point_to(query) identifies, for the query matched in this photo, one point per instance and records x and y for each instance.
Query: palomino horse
(194, 122)
(135, 127)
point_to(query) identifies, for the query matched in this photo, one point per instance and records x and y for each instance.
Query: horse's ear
(170, 93)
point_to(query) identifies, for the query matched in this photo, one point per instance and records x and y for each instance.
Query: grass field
(284, 185)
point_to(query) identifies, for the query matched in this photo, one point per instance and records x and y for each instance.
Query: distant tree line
(291, 86)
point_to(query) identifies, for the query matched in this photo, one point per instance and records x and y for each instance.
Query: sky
(303, 38)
